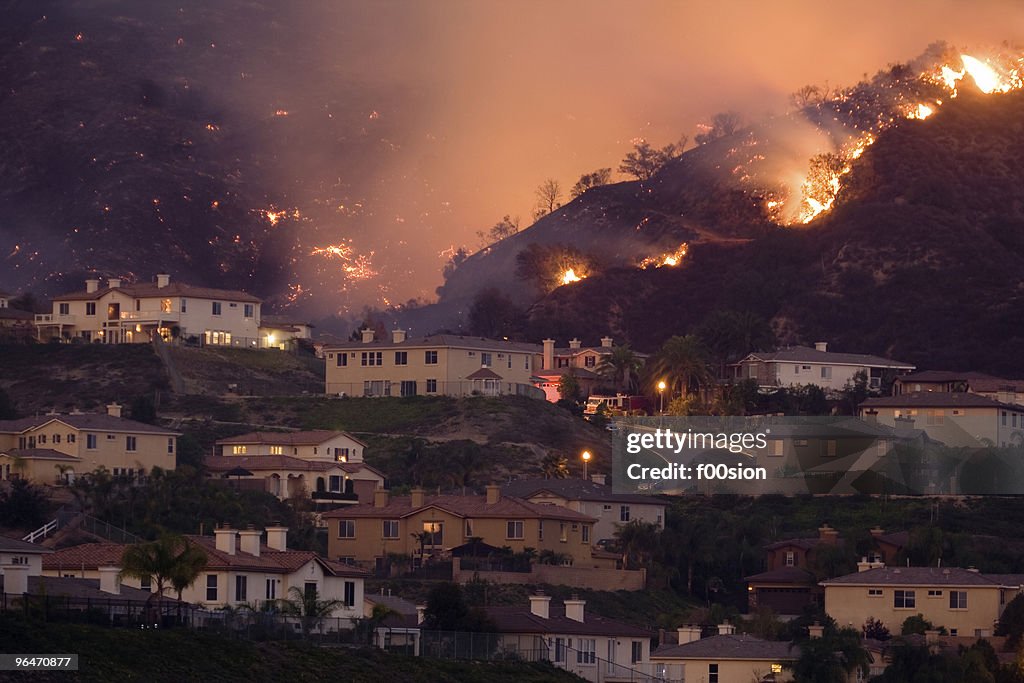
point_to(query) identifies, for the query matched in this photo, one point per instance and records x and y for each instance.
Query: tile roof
(783, 575)
(936, 399)
(912, 576)
(448, 340)
(16, 545)
(85, 556)
(580, 373)
(312, 437)
(805, 354)
(484, 373)
(268, 463)
(462, 506)
(400, 605)
(522, 620)
(575, 489)
(735, 646)
(275, 320)
(40, 454)
(150, 290)
(100, 422)
(9, 313)
(59, 586)
(941, 376)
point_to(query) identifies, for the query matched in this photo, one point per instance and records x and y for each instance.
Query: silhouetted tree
(506, 227)
(7, 409)
(495, 315)
(722, 125)
(549, 198)
(587, 181)
(143, 409)
(644, 161)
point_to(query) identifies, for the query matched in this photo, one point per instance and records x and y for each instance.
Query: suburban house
(15, 324)
(241, 570)
(593, 498)
(800, 365)
(56, 447)
(283, 332)
(954, 418)
(964, 601)
(583, 362)
(945, 381)
(135, 313)
(328, 465)
(18, 553)
(789, 583)
(421, 526)
(438, 365)
(723, 658)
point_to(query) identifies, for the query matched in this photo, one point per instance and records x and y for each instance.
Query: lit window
(165, 305)
(277, 450)
(238, 450)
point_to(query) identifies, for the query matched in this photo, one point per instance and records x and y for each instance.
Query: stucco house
(55, 448)
(15, 324)
(135, 313)
(801, 365)
(995, 388)
(583, 362)
(724, 658)
(954, 418)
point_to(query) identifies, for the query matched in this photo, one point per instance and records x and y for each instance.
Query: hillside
(171, 656)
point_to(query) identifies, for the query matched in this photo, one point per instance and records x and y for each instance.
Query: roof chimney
(114, 282)
(92, 285)
(688, 633)
(277, 537)
(162, 280)
(114, 410)
(227, 539)
(598, 479)
(540, 605)
(549, 354)
(815, 630)
(575, 343)
(416, 497)
(828, 535)
(574, 608)
(421, 614)
(367, 335)
(726, 629)
(249, 541)
(110, 580)
(493, 494)
(381, 497)
(821, 346)
(397, 336)
(15, 578)
(606, 342)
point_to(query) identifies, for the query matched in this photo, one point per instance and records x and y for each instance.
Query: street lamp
(661, 396)
(586, 459)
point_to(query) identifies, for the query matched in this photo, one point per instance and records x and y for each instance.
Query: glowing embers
(669, 258)
(355, 266)
(570, 276)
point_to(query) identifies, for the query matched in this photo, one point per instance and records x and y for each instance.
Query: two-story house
(327, 465)
(583, 362)
(241, 570)
(54, 448)
(789, 582)
(954, 418)
(134, 313)
(946, 381)
(724, 657)
(801, 365)
(438, 365)
(15, 324)
(419, 526)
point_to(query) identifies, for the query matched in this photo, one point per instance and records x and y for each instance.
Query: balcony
(150, 316)
(54, 319)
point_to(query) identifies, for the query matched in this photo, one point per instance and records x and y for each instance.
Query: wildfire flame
(570, 276)
(670, 258)
(355, 266)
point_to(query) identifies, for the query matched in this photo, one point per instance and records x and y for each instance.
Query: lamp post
(586, 459)
(661, 396)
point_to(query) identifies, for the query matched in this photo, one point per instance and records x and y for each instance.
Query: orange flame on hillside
(669, 258)
(570, 276)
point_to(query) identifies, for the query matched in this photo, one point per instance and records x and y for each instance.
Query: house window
(211, 588)
(90, 441)
(904, 600)
(434, 533)
(247, 310)
(370, 358)
(334, 483)
(390, 528)
(469, 528)
(590, 361)
(587, 652)
(874, 592)
(934, 594)
(146, 583)
(777, 447)
(790, 558)
(64, 309)
(514, 529)
(408, 388)
(238, 450)
(71, 438)
(56, 438)
(170, 445)
(562, 536)
(830, 448)
(585, 533)
(216, 308)
(623, 513)
(430, 357)
(277, 450)
(401, 357)
(184, 305)
(637, 653)
(350, 593)
(271, 589)
(346, 528)
(42, 439)
(129, 443)
(826, 372)
(938, 417)
(712, 673)
(559, 650)
(485, 359)
(777, 669)
(341, 455)
(540, 530)
(241, 586)
(90, 308)
(431, 386)
(510, 361)
(342, 360)
(957, 599)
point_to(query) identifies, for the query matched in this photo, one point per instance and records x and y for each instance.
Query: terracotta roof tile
(463, 506)
(304, 438)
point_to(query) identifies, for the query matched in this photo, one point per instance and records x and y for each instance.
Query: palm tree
(555, 466)
(682, 362)
(639, 541)
(621, 366)
(308, 606)
(170, 561)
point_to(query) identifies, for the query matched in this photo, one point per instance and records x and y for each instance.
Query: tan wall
(450, 371)
(729, 671)
(851, 606)
(319, 452)
(966, 429)
(369, 542)
(580, 576)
